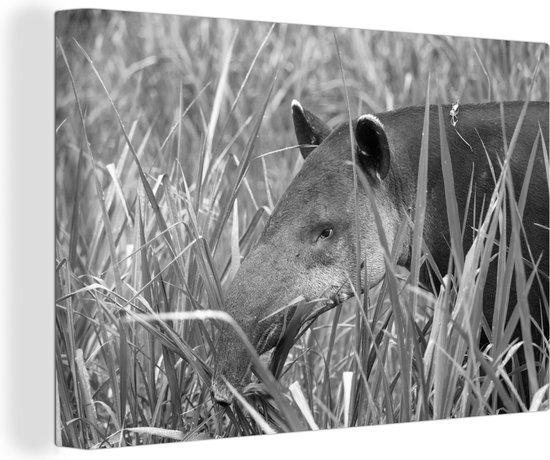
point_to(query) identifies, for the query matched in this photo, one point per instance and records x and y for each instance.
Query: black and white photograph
(265, 227)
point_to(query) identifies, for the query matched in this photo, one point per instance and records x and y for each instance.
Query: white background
(26, 233)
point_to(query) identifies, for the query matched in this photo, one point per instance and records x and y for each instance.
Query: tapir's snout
(259, 288)
(232, 365)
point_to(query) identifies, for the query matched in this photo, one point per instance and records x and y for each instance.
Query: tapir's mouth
(338, 294)
(332, 298)
(341, 297)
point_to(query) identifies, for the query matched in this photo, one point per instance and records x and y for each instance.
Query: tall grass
(173, 142)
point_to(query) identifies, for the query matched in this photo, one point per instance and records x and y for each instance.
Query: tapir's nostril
(221, 393)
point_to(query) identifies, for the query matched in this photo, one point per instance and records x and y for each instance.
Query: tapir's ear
(372, 143)
(309, 128)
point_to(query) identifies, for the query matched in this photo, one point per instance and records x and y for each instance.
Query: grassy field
(171, 152)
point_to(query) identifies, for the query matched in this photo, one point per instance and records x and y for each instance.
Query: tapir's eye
(326, 233)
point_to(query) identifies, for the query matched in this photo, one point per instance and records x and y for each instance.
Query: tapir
(308, 245)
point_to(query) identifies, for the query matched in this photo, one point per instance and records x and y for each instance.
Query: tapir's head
(308, 247)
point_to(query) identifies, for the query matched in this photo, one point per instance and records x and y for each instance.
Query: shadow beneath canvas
(29, 227)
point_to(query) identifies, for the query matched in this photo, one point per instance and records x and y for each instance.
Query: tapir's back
(476, 145)
(482, 126)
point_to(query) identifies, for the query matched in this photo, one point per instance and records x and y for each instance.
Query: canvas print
(264, 228)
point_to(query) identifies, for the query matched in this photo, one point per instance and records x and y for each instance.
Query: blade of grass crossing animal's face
(397, 309)
(358, 252)
(420, 202)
